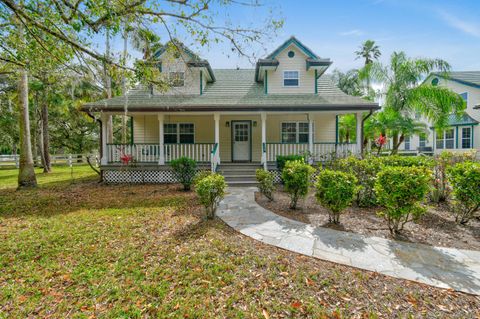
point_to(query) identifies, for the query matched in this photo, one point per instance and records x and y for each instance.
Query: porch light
(227, 124)
(254, 123)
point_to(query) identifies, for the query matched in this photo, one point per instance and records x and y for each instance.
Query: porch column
(359, 116)
(104, 118)
(161, 157)
(310, 135)
(216, 118)
(263, 117)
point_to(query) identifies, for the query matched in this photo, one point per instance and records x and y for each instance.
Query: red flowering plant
(380, 142)
(126, 159)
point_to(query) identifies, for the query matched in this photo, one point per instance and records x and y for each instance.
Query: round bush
(465, 181)
(184, 169)
(265, 183)
(210, 191)
(335, 190)
(400, 190)
(296, 177)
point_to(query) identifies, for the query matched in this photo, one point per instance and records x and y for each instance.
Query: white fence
(55, 159)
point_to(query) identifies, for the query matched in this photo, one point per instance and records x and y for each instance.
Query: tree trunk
(108, 84)
(394, 144)
(26, 174)
(124, 86)
(47, 166)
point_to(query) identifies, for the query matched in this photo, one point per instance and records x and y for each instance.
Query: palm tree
(348, 82)
(392, 123)
(368, 51)
(405, 96)
(144, 40)
(347, 128)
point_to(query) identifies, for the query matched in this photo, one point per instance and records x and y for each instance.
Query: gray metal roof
(236, 90)
(471, 78)
(464, 119)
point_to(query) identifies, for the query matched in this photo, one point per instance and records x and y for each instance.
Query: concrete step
(242, 184)
(239, 178)
(246, 172)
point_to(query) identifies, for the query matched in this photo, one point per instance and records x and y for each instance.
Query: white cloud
(459, 24)
(354, 32)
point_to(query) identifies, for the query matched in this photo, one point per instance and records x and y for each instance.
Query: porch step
(239, 174)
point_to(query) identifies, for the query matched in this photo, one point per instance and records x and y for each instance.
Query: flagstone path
(437, 266)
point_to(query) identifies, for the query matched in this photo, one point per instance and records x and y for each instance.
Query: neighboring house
(286, 105)
(463, 133)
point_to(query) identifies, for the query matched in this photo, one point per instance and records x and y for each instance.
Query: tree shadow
(439, 264)
(63, 199)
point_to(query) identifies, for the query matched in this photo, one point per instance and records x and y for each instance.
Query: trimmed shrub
(296, 177)
(210, 191)
(200, 175)
(265, 183)
(441, 190)
(335, 190)
(365, 170)
(283, 159)
(400, 190)
(407, 161)
(465, 181)
(184, 169)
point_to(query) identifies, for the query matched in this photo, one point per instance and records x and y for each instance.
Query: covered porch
(225, 137)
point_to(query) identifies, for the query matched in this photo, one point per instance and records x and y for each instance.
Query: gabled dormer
(291, 68)
(185, 72)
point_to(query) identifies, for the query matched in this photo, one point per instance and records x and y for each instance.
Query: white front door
(241, 141)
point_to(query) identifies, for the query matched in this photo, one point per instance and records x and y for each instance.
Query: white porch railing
(215, 158)
(142, 153)
(320, 150)
(279, 149)
(150, 153)
(200, 152)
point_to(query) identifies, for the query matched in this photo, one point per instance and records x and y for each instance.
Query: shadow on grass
(62, 198)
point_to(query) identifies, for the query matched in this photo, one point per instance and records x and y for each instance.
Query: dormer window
(290, 78)
(177, 79)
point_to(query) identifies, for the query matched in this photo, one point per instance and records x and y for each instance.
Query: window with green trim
(407, 143)
(466, 137)
(422, 140)
(183, 133)
(445, 139)
(294, 132)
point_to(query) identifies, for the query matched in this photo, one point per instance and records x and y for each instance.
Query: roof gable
(469, 78)
(309, 53)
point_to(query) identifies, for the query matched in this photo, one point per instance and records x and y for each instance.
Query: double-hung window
(407, 143)
(290, 78)
(177, 79)
(466, 137)
(183, 133)
(422, 140)
(294, 132)
(445, 139)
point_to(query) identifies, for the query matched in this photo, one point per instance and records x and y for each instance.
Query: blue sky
(334, 29)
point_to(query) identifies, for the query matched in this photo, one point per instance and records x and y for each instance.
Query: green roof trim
(462, 120)
(469, 78)
(287, 43)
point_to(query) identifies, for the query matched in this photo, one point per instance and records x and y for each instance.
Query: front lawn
(87, 250)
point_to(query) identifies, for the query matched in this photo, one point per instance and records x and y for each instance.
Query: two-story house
(223, 117)
(463, 133)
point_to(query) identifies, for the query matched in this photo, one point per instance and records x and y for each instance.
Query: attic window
(177, 79)
(435, 82)
(291, 54)
(290, 78)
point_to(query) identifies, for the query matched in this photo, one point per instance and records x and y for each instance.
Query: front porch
(260, 137)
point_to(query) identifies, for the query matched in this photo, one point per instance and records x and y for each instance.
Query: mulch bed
(437, 227)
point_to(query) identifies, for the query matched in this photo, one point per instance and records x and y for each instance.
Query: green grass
(85, 250)
(59, 174)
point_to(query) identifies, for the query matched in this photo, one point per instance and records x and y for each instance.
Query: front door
(241, 141)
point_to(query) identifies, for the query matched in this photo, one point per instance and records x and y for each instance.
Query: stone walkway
(437, 266)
